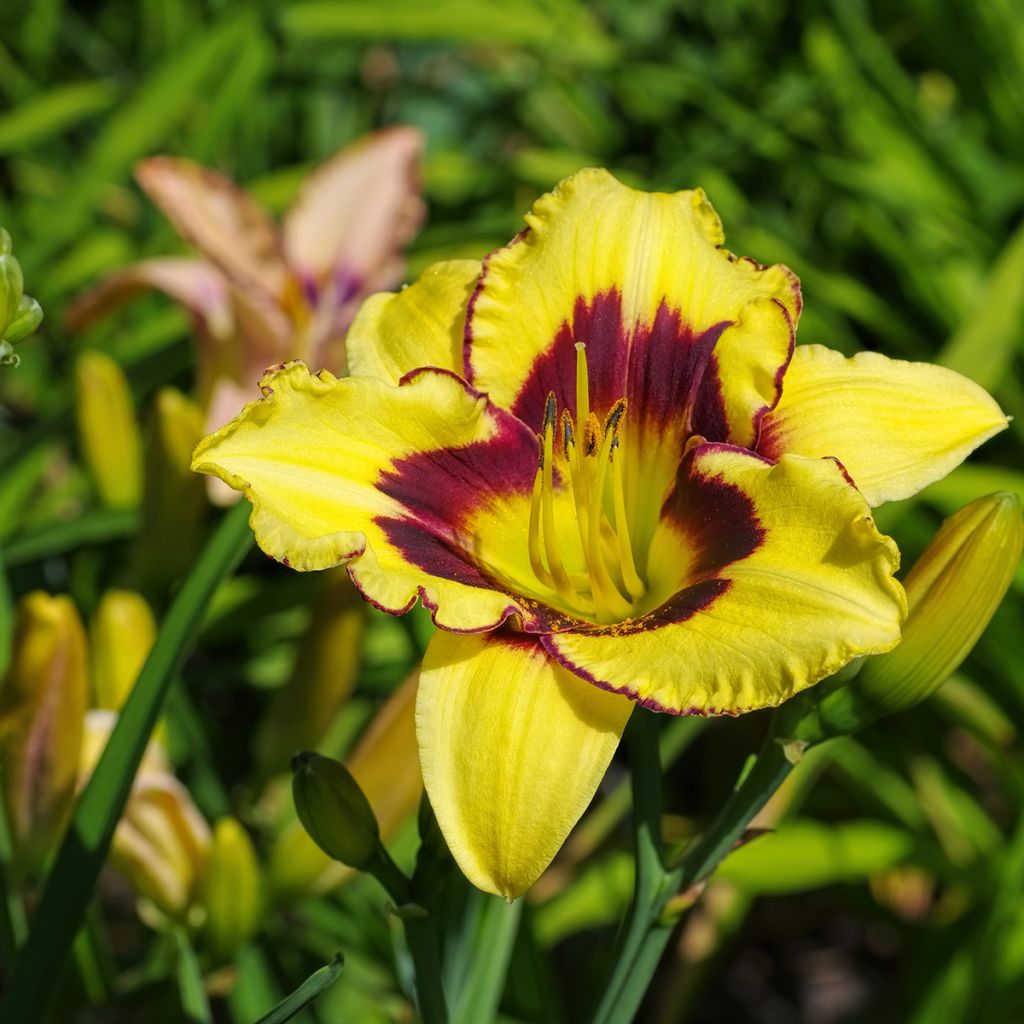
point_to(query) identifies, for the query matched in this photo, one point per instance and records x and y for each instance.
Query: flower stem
(647, 932)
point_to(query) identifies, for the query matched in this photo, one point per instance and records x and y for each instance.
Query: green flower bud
(107, 431)
(232, 892)
(27, 317)
(11, 287)
(334, 811)
(42, 708)
(121, 634)
(952, 593)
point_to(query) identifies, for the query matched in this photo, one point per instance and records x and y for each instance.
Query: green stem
(495, 924)
(422, 939)
(645, 781)
(84, 850)
(650, 933)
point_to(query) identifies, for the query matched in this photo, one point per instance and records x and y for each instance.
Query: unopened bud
(386, 765)
(173, 497)
(20, 314)
(107, 431)
(42, 707)
(324, 675)
(231, 891)
(121, 634)
(11, 286)
(952, 593)
(334, 811)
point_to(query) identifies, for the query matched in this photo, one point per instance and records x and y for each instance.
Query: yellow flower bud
(121, 633)
(173, 497)
(162, 842)
(952, 593)
(231, 891)
(42, 704)
(107, 431)
(386, 765)
(334, 810)
(325, 673)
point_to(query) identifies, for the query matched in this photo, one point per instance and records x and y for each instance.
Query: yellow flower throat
(609, 586)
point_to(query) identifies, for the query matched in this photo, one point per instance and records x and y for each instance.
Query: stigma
(598, 579)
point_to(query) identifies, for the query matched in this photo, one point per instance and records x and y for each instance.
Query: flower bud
(386, 765)
(334, 810)
(173, 497)
(107, 431)
(11, 285)
(42, 705)
(231, 890)
(324, 675)
(162, 842)
(952, 593)
(121, 633)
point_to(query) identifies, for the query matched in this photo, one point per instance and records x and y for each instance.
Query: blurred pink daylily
(264, 293)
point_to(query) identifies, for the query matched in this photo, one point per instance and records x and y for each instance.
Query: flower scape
(601, 461)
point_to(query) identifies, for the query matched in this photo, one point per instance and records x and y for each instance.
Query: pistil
(609, 585)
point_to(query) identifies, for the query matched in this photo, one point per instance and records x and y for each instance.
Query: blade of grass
(312, 988)
(96, 527)
(85, 846)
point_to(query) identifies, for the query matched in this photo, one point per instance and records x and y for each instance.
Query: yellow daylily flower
(263, 293)
(584, 456)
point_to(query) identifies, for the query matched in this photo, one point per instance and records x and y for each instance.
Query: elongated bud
(42, 706)
(107, 431)
(20, 314)
(232, 892)
(334, 810)
(173, 497)
(121, 634)
(386, 765)
(162, 842)
(324, 675)
(952, 593)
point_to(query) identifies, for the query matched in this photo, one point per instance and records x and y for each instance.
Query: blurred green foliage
(873, 147)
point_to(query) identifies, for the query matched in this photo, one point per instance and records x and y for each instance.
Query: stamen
(561, 578)
(582, 389)
(606, 593)
(630, 576)
(592, 435)
(540, 570)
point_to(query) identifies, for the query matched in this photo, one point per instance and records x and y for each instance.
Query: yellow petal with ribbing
(643, 280)
(513, 748)
(422, 325)
(807, 587)
(896, 426)
(357, 470)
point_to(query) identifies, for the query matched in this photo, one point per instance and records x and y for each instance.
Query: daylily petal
(422, 325)
(789, 580)
(220, 219)
(674, 323)
(513, 748)
(356, 212)
(895, 426)
(196, 285)
(355, 469)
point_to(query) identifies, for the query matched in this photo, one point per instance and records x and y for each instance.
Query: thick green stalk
(84, 850)
(647, 932)
(645, 778)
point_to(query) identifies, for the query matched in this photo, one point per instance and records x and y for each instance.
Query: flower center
(609, 585)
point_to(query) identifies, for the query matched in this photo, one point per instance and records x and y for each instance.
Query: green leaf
(311, 989)
(53, 112)
(84, 850)
(808, 854)
(984, 346)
